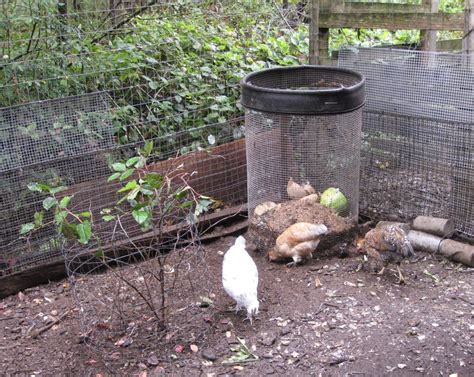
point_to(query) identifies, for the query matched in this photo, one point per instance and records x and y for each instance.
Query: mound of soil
(263, 230)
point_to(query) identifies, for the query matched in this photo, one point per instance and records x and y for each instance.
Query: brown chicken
(296, 191)
(388, 244)
(298, 242)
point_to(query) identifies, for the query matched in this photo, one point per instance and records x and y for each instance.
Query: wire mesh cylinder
(306, 126)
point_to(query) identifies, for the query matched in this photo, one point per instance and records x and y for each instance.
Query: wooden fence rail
(327, 14)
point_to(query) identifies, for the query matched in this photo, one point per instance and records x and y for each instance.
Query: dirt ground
(325, 318)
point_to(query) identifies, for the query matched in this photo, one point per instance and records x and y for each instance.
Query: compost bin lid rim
(246, 81)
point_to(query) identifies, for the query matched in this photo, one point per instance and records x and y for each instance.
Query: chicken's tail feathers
(404, 246)
(320, 229)
(407, 249)
(240, 241)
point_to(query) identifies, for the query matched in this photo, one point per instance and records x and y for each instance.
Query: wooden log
(453, 250)
(434, 225)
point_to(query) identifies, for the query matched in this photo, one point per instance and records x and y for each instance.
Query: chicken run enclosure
(67, 117)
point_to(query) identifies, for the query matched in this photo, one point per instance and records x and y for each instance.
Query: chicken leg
(401, 279)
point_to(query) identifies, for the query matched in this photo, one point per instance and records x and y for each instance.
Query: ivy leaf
(68, 230)
(113, 177)
(141, 215)
(39, 218)
(60, 217)
(108, 218)
(127, 173)
(84, 232)
(180, 194)
(202, 206)
(153, 85)
(119, 166)
(129, 186)
(49, 202)
(26, 228)
(85, 214)
(55, 190)
(186, 204)
(38, 187)
(155, 180)
(132, 161)
(147, 148)
(64, 202)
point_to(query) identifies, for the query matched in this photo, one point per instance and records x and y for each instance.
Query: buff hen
(388, 244)
(240, 278)
(296, 191)
(297, 242)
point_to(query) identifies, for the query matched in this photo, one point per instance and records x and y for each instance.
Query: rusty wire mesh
(417, 153)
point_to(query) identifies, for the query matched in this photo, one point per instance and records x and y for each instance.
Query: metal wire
(418, 134)
(322, 150)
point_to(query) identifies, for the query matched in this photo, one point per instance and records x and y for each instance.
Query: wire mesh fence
(84, 84)
(418, 134)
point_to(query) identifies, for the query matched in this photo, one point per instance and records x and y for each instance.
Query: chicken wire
(321, 150)
(417, 153)
(218, 172)
(314, 139)
(53, 142)
(70, 105)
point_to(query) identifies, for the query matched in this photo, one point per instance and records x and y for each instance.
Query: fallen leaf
(21, 296)
(194, 348)
(238, 367)
(143, 373)
(153, 360)
(317, 282)
(179, 348)
(350, 284)
(123, 342)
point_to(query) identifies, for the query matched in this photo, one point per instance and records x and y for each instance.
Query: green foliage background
(174, 67)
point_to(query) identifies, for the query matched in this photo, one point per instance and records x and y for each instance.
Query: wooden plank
(343, 6)
(432, 21)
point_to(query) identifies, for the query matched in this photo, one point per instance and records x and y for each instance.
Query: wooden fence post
(468, 39)
(428, 37)
(314, 33)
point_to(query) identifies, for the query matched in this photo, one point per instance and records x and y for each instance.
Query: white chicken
(240, 278)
